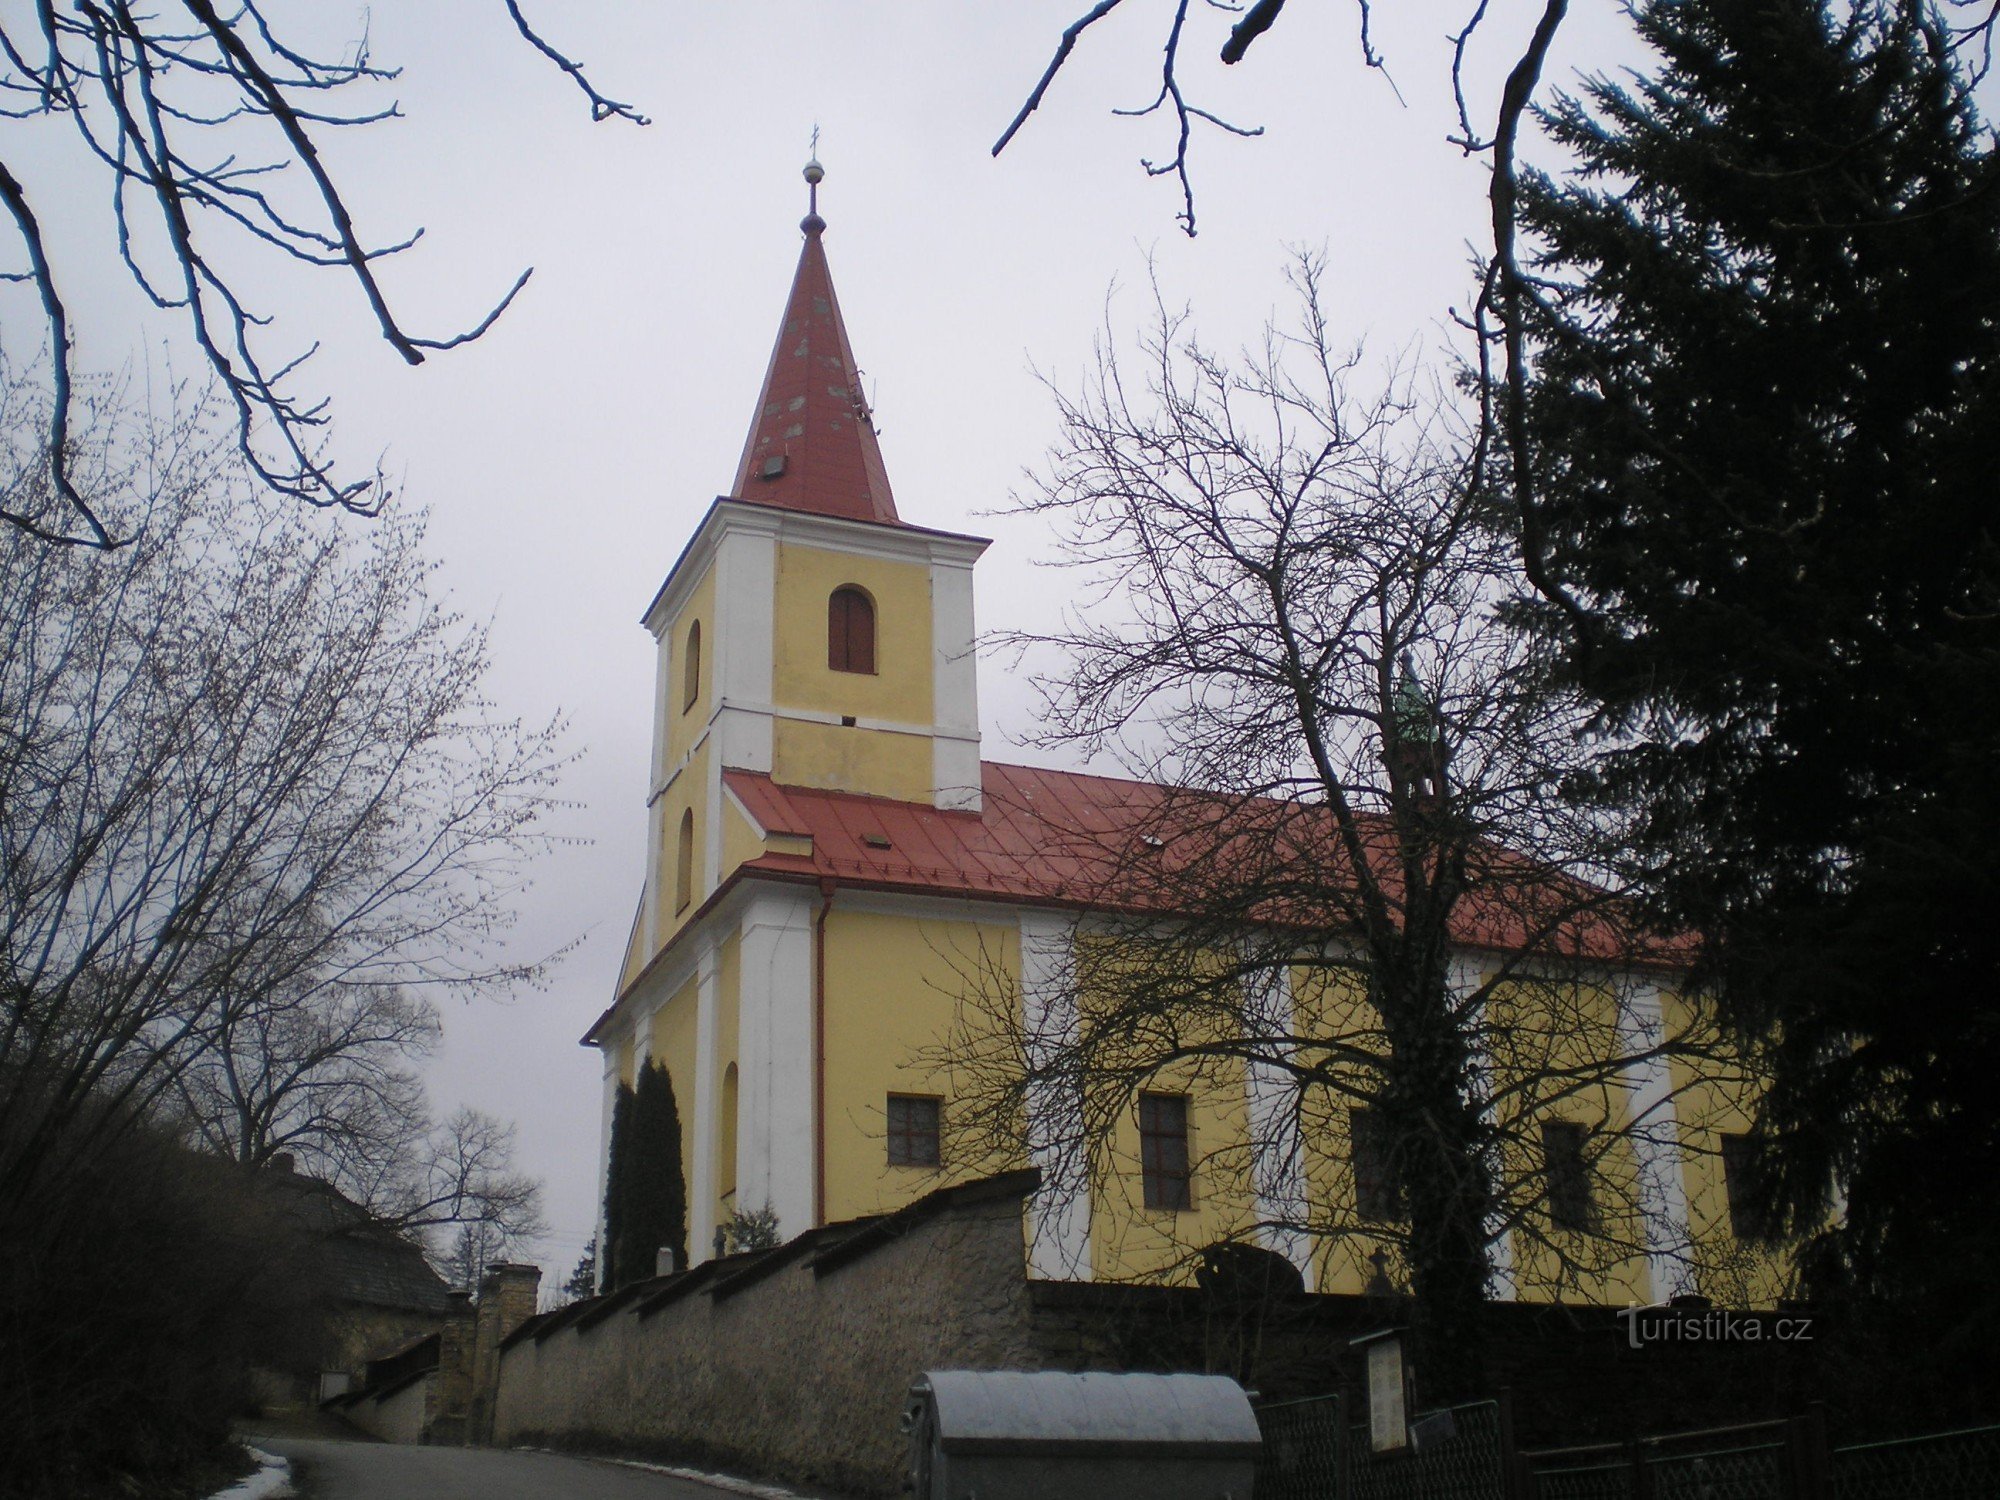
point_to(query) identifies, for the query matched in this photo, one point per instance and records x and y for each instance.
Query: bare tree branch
(150, 98)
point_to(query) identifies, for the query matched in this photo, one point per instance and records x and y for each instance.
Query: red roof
(812, 444)
(1070, 839)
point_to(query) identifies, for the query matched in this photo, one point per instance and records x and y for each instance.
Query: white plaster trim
(726, 518)
(921, 908)
(1277, 1169)
(1654, 1131)
(703, 1107)
(610, 1097)
(1059, 1213)
(823, 716)
(864, 539)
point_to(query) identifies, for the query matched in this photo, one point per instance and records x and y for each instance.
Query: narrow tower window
(1163, 1150)
(691, 668)
(684, 862)
(850, 631)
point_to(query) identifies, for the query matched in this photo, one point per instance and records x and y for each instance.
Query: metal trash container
(1045, 1435)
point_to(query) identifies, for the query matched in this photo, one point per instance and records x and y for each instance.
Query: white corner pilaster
(746, 592)
(774, 1056)
(1656, 1143)
(1464, 979)
(954, 689)
(1059, 1213)
(1277, 1145)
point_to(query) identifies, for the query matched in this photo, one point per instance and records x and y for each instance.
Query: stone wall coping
(679, 1285)
(600, 1308)
(767, 1263)
(869, 1234)
(549, 1324)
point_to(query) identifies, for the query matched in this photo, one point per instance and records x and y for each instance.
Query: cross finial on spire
(812, 223)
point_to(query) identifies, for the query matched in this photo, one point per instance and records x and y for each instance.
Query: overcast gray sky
(567, 455)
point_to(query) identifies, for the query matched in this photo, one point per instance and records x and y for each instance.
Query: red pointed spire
(812, 442)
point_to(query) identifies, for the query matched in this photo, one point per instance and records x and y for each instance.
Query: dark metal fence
(1754, 1461)
(1961, 1465)
(1460, 1459)
(1313, 1450)
(1301, 1457)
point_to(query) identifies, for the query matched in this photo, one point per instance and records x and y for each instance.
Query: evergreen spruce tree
(617, 1170)
(1764, 435)
(653, 1212)
(582, 1279)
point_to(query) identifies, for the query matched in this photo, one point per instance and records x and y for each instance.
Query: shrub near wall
(795, 1362)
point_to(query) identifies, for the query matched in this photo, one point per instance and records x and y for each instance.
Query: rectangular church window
(914, 1130)
(1568, 1175)
(1378, 1193)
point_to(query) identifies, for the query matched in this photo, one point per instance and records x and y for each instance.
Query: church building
(833, 869)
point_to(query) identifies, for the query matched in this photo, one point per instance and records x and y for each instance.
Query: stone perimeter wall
(799, 1371)
(796, 1363)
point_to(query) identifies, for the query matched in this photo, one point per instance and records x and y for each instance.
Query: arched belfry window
(684, 862)
(691, 668)
(850, 630)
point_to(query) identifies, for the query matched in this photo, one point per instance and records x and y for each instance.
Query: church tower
(807, 637)
(807, 631)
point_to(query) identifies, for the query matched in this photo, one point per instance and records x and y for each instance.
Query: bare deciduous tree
(326, 1071)
(1353, 887)
(208, 124)
(253, 813)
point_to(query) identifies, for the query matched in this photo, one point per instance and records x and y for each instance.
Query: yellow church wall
(1331, 1004)
(1714, 1099)
(687, 792)
(728, 1010)
(685, 725)
(892, 984)
(899, 690)
(845, 758)
(674, 1046)
(1131, 1242)
(1549, 1039)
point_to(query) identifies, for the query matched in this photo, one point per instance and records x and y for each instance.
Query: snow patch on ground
(727, 1482)
(272, 1481)
(717, 1481)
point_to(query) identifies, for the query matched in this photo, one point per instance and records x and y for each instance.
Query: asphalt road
(336, 1470)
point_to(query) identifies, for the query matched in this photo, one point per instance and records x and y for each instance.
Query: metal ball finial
(814, 174)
